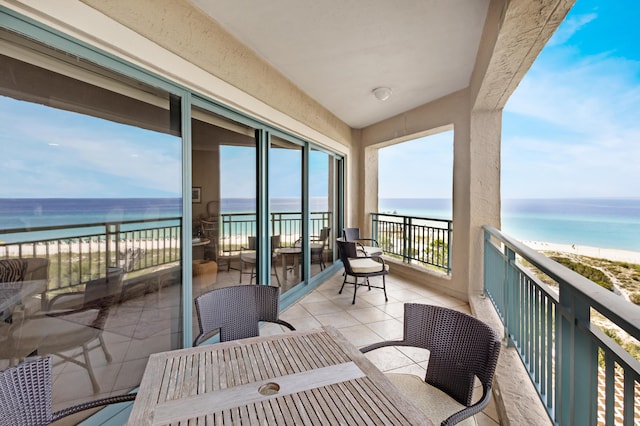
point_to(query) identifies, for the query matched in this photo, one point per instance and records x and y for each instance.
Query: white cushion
(373, 250)
(436, 404)
(365, 265)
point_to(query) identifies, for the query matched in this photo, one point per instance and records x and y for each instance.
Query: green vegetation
(593, 274)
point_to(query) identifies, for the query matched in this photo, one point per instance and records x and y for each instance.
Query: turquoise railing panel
(583, 376)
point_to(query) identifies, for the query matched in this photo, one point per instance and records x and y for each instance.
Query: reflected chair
(318, 245)
(73, 321)
(98, 297)
(360, 266)
(210, 232)
(248, 258)
(237, 311)
(26, 395)
(366, 246)
(461, 349)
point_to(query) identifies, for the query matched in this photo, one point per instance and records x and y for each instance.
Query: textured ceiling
(338, 51)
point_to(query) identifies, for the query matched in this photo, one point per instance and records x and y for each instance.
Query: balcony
(564, 360)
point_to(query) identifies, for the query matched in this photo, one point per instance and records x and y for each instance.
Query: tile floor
(371, 320)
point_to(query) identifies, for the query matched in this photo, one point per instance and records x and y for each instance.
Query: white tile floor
(371, 320)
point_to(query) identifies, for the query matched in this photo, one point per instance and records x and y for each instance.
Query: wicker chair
(359, 266)
(461, 349)
(366, 246)
(25, 395)
(237, 311)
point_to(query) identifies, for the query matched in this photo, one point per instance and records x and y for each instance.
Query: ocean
(596, 222)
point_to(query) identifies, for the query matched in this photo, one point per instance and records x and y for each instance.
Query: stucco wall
(448, 112)
(184, 30)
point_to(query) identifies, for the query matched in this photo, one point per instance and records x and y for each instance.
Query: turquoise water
(597, 222)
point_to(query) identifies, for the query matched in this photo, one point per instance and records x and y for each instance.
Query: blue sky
(571, 128)
(51, 153)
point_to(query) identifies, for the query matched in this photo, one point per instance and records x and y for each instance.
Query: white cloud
(578, 129)
(570, 27)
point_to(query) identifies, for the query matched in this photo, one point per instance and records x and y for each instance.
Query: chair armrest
(383, 344)
(373, 240)
(471, 410)
(284, 323)
(92, 404)
(70, 300)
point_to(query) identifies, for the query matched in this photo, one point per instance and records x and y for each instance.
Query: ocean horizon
(610, 223)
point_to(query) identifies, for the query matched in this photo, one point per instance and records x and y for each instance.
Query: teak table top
(303, 377)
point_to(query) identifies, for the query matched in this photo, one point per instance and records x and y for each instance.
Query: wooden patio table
(312, 377)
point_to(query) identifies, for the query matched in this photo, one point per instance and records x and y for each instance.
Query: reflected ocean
(596, 222)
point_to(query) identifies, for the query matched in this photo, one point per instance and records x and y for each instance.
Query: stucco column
(369, 190)
(484, 187)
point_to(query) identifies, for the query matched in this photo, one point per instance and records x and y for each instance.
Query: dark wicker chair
(237, 311)
(461, 349)
(366, 246)
(359, 266)
(25, 395)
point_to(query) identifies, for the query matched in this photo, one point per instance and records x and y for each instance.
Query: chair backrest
(236, 311)
(251, 243)
(351, 234)
(461, 348)
(105, 291)
(275, 242)
(347, 250)
(25, 393)
(209, 227)
(324, 235)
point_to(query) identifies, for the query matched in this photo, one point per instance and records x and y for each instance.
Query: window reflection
(90, 221)
(224, 215)
(321, 205)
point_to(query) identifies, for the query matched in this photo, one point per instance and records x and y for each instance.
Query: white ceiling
(338, 51)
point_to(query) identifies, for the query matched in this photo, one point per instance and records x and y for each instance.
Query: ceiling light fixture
(382, 93)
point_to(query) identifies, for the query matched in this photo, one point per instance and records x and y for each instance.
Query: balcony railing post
(577, 369)
(510, 287)
(374, 226)
(405, 240)
(448, 248)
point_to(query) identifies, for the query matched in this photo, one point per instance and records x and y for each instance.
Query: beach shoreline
(580, 250)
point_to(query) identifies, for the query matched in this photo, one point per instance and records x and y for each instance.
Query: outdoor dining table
(313, 377)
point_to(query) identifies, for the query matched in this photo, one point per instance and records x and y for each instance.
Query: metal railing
(420, 240)
(236, 228)
(582, 375)
(81, 253)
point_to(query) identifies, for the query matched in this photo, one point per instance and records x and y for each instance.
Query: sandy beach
(597, 252)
